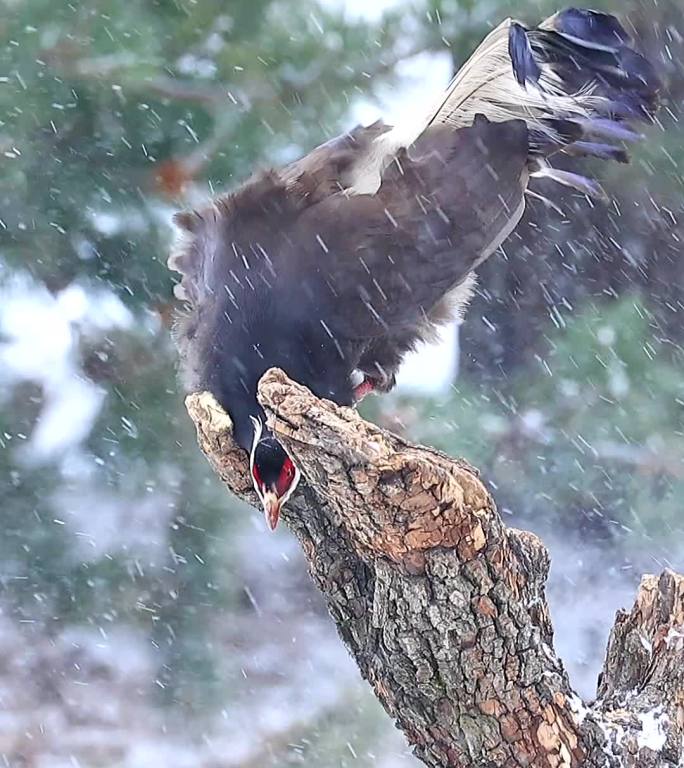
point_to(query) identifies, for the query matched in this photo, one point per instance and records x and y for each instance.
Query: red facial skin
(257, 477)
(364, 388)
(287, 475)
(272, 498)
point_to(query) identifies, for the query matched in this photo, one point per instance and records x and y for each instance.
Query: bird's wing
(332, 166)
(441, 208)
(276, 197)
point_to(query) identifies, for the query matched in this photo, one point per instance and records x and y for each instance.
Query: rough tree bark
(443, 608)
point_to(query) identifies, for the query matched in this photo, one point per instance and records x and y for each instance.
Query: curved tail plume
(576, 80)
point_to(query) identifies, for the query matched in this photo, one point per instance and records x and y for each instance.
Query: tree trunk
(443, 607)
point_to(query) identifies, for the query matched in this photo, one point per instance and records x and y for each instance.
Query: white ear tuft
(293, 485)
(258, 429)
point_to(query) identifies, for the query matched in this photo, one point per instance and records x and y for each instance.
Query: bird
(335, 266)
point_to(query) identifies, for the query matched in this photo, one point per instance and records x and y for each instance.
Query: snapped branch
(443, 607)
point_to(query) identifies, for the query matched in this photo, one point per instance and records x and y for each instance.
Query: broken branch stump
(443, 608)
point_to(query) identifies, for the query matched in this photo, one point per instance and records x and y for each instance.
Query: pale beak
(272, 506)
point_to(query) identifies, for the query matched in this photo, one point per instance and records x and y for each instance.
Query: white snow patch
(653, 729)
(40, 336)
(675, 636)
(614, 734)
(111, 224)
(578, 709)
(68, 414)
(606, 336)
(362, 9)
(432, 368)
(646, 643)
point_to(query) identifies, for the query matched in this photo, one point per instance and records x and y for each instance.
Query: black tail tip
(525, 66)
(591, 28)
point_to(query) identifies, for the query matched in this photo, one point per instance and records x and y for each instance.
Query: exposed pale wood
(443, 607)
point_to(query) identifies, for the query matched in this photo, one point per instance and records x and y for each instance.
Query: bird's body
(346, 259)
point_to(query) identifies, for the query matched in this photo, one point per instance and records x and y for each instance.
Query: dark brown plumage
(344, 260)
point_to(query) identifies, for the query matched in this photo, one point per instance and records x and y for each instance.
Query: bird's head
(274, 474)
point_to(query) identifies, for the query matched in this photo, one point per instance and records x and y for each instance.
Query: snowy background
(147, 619)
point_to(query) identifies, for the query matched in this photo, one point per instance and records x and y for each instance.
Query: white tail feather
(485, 84)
